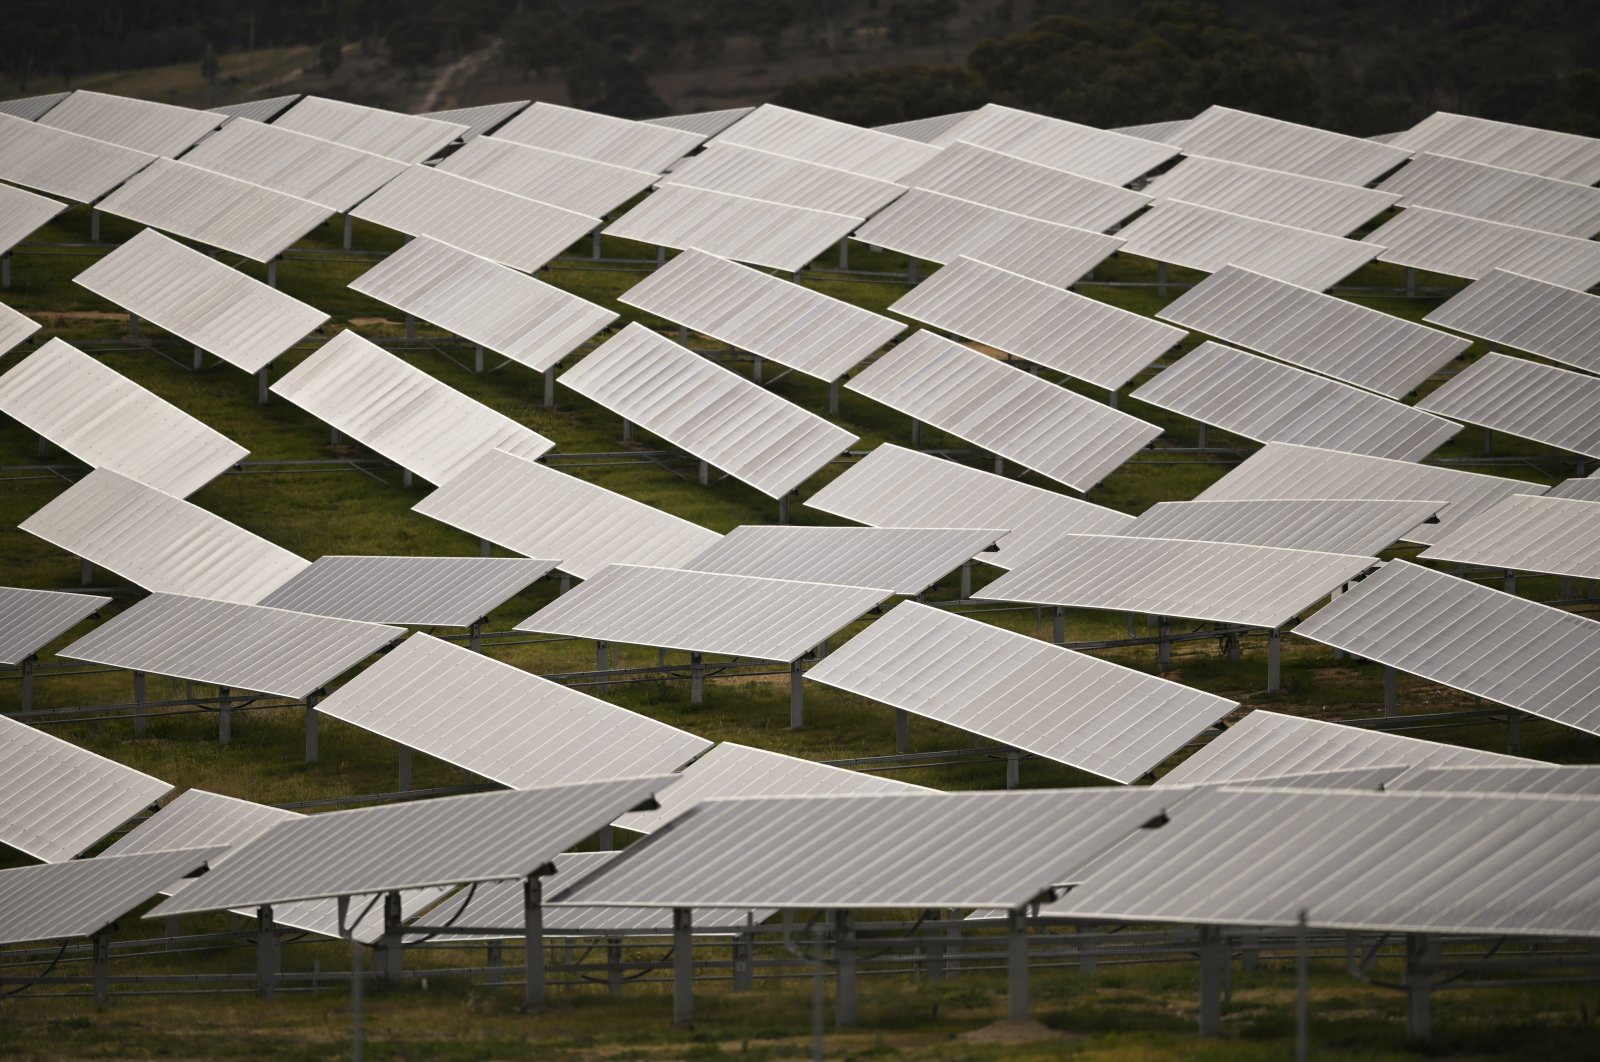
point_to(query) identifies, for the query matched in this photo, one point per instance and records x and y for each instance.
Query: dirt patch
(1015, 1032)
(57, 318)
(370, 322)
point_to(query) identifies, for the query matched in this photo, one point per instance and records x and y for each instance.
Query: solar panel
(1478, 190)
(1315, 331)
(721, 418)
(401, 412)
(32, 619)
(328, 174)
(1534, 778)
(85, 896)
(1268, 401)
(1065, 706)
(902, 560)
(406, 137)
(531, 322)
(143, 125)
(32, 108)
(446, 841)
(480, 119)
(512, 229)
(537, 511)
(704, 612)
(1163, 132)
(999, 850)
(1518, 147)
(409, 591)
(896, 487)
(731, 226)
(995, 179)
(1327, 525)
(1459, 246)
(1490, 644)
(78, 168)
(202, 301)
(262, 110)
(22, 214)
(1286, 470)
(162, 543)
(619, 141)
(1061, 330)
(242, 647)
(1542, 318)
(734, 770)
(1269, 744)
(781, 179)
(1272, 195)
(214, 209)
(1081, 149)
(765, 315)
(57, 799)
(567, 181)
(108, 421)
(1056, 432)
(501, 722)
(706, 123)
(1585, 489)
(941, 228)
(816, 139)
(1528, 533)
(1201, 238)
(1239, 136)
(14, 327)
(1523, 398)
(1369, 779)
(923, 129)
(1224, 582)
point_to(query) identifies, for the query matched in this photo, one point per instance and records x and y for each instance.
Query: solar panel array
(14, 327)
(328, 174)
(618, 141)
(414, 591)
(567, 181)
(777, 178)
(1272, 195)
(31, 619)
(1494, 194)
(1459, 246)
(901, 560)
(749, 230)
(480, 119)
(815, 139)
(404, 137)
(1253, 139)
(1539, 317)
(143, 125)
(1535, 778)
(1554, 406)
(1327, 525)
(1519, 147)
(1531, 533)
(83, 897)
(74, 167)
(22, 213)
(1084, 150)
(1005, 182)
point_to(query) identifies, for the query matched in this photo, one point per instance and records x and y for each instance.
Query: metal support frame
(916, 432)
(1391, 692)
(697, 679)
(403, 756)
(1419, 988)
(755, 367)
(1510, 583)
(1302, 992)
(614, 966)
(902, 730)
(844, 252)
(198, 361)
(966, 580)
(1233, 650)
(485, 547)
(1013, 769)
(845, 1012)
(999, 465)
(313, 752)
(705, 474)
(744, 974)
(100, 944)
(477, 358)
(263, 382)
(594, 251)
(272, 273)
(475, 634)
(1411, 281)
(349, 232)
(1087, 957)
(533, 940)
(27, 682)
(682, 968)
(1017, 1002)
(602, 662)
(1488, 442)
(550, 388)
(1274, 660)
(411, 328)
(783, 509)
(268, 953)
(819, 991)
(1513, 732)
(1200, 436)
(85, 571)
(1213, 972)
(406, 479)
(5, 270)
(1059, 633)
(224, 716)
(797, 696)
(94, 225)
(133, 323)
(833, 398)
(1161, 279)
(1163, 644)
(394, 955)
(358, 1032)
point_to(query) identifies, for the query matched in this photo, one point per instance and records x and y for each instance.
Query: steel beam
(533, 940)
(682, 968)
(845, 1012)
(1017, 1002)
(268, 953)
(697, 679)
(1213, 973)
(797, 696)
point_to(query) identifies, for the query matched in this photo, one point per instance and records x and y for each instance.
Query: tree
(329, 56)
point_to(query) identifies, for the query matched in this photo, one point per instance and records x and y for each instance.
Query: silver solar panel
(1163, 132)
(1056, 432)
(731, 226)
(567, 181)
(1490, 644)
(32, 619)
(406, 137)
(78, 168)
(1539, 778)
(1081, 149)
(1478, 190)
(1201, 238)
(1586, 489)
(501, 722)
(782, 179)
(57, 799)
(1005, 182)
(1526, 399)
(896, 487)
(901, 560)
(1368, 779)
(941, 229)
(1546, 319)
(705, 123)
(512, 229)
(262, 110)
(242, 647)
(1458, 246)
(1517, 147)
(923, 129)
(82, 897)
(328, 174)
(993, 850)
(1528, 533)
(725, 420)
(1268, 401)
(399, 411)
(1286, 470)
(22, 214)
(1062, 330)
(216, 210)
(1224, 582)
(32, 108)
(108, 421)
(14, 327)
(1269, 744)
(1007, 687)
(143, 125)
(734, 770)
(1272, 195)
(765, 315)
(445, 841)
(539, 512)
(816, 139)
(619, 141)
(531, 322)
(1328, 525)
(1239, 136)
(408, 591)
(159, 542)
(704, 612)
(200, 300)
(480, 119)
(1315, 331)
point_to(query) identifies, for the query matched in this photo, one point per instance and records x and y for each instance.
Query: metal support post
(1213, 970)
(916, 432)
(833, 398)
(198, 361)
(393, 940)
(783, 509)
(485, 547)
(755, 367)
(533, 940)
(5, 270)
(1111, 397)
(403, 755)
(661, 252)
(1161, 279)
(1087, 959)
(224, 716)
(1234, 651)
(844, 252)
(312, 750)
(1391, 692)
(550, 388)
(1302, 992)
(797, 696)
(697, 679)
(101, 945)
(902, 731)
(1419, 989)
(272, 273)
(27, 683)
(911, 270)
(406, 478)
(85, 571)
(477, 358)
(1013, 769)
(263, 382)
(349, 232)
(1060, 631)
(844, 950)
(1488, 442)
(705, 474)
(819, 992)
(358, 1034)
(1200, 437)
(1411, 281)
(268, 953)
(94, 225)
(744, 977)
(1513, 732)
(614, 966)
(602, 661)
(966, 580)
(682, 968)
(1274, 651)
(475, 636)
(1510, 583)
(627, 431)
(1017, 1004)
(1163, 646)
(999, 465)
(411, 328)
(595, 246)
